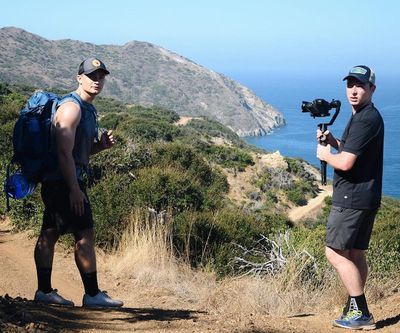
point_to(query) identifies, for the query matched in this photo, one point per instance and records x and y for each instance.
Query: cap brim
(362, 79)
(96, 69)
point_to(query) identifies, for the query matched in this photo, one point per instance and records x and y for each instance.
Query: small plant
(272, 256)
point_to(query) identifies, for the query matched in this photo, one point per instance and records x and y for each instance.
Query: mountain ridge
(141, 73)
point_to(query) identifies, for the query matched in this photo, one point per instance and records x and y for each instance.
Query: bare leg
(359, 259)
(85, 256)
(44, 249)
(352, 276)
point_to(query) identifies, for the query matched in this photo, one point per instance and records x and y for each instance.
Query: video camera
(320, 108)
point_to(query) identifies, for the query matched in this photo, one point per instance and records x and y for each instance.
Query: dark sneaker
(101, 300)
(52, 298)
(355, 320)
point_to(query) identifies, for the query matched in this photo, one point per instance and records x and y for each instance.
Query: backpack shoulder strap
(71, 97)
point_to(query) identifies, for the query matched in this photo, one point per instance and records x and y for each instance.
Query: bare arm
(66, 121)
(342, 161)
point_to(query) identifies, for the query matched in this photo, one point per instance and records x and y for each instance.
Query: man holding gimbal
(357, 190)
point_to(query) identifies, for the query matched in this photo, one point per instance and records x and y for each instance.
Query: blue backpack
(32, 143)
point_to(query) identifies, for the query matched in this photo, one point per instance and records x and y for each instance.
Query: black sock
(359, 303)
(90, 283)
(44, 279)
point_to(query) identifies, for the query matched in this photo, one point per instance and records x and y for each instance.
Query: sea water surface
(298, 137)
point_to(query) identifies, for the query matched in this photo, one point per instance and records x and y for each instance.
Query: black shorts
(349, 228)
(58, 214)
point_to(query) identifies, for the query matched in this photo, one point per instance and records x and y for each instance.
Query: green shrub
(214, 184)
(184, 157)
(6, 145)
(112, 200)
(195, 236)
(120, 159)
(295, 166)
(384, 250)
(229, 157)
(312, 241)
(242, 228)
(213, 239)
(112, 120)
(297, 197)
(148, 130)
(300, 192)
(27, 213)
(106, 105)
(154, 113)
(212, 128)
(166, 187)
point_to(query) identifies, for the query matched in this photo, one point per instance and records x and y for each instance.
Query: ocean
(297, 138)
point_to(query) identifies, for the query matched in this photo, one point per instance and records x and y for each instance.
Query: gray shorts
(348, 228)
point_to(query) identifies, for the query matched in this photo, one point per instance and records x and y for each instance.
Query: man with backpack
(67, 207)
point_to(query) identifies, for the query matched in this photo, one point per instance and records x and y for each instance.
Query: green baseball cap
(362, 73)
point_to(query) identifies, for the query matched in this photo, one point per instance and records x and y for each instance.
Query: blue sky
(230, 36)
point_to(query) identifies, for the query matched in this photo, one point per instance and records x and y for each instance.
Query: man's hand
(77, 201)
(323, 152)
(107, 140)
(327, 138)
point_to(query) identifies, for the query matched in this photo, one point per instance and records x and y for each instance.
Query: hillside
(141, 73)
(180, 204)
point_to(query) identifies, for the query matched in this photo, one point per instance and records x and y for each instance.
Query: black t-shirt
(361, 186)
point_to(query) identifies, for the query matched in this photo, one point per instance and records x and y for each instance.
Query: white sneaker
(51, 298)
(101, 300)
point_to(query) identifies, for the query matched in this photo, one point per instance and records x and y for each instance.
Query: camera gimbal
(320, 108)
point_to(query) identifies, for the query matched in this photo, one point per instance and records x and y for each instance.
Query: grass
(147, 260)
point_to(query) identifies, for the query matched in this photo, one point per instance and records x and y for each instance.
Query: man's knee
(47, 239)
(84, 243)
(335, 256)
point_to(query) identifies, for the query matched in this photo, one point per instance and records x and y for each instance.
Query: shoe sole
(102, 306)
(55, 304)
(358, 328)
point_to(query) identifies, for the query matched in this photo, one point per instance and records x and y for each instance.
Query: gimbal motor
(320, 107)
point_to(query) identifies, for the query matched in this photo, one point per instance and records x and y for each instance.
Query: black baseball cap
(362, 73)
(90, 65)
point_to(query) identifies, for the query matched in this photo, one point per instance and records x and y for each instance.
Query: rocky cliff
(141, 73)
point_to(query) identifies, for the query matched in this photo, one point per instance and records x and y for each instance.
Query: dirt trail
(144, 313)
(19, 273)
(184, 120)
(313, 206)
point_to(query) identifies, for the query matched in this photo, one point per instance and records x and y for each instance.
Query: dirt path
(184, 120)
(313, 206)
(18, 279)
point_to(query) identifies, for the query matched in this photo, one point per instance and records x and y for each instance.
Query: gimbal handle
(323, 127)
(322, 141)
